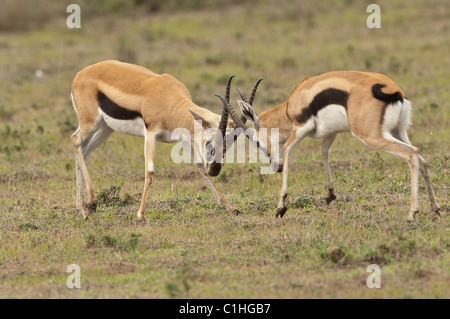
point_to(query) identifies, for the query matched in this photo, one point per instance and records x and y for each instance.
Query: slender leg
(82, 174)
(409, 154)
(149, 149)
(220, 199)
(84, 144)
(80, 183)
(326, 145)
(423, 167)
(296, 136)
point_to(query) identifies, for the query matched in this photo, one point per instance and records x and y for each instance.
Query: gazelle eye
(210, 149)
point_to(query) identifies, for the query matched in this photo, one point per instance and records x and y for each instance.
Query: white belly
(135, 127)
(331, 119)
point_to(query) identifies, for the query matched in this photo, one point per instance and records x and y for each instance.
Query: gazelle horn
(224, 119)
(246, 100)
(237, 120)
(217, 166)
(252, 97)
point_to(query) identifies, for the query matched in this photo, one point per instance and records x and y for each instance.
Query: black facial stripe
(114, 110)
(248, 114)
(321, 100)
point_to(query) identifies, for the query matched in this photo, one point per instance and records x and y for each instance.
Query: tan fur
(365, 117)
(362, 108)
(162, 101)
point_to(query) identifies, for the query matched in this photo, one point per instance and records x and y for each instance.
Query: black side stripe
(387, 98)
(321, 100)
(114, 110)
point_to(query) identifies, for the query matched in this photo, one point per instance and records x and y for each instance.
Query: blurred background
(203, 42)
(180, 252)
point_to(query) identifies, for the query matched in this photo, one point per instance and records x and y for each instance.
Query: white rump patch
(397, 118)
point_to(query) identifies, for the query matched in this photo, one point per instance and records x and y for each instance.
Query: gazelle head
(262, 135)
(214, 145)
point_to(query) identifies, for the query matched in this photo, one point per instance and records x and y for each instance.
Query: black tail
(388, 98)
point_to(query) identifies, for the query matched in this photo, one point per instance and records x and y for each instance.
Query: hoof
(83, 211)
(412, 216)
(84, 214)
(437, 214)
(281, 211)
(232, 210)
(91, 207)
(330, 198)
(228, 207)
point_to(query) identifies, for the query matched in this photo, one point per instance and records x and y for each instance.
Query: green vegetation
(188, 247)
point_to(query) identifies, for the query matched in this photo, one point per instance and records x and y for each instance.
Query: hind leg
(424, 171)
(423, 168)
(409, 153)
(84, 143)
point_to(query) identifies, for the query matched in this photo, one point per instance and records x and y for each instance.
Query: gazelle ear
(198, 117)
(249, 113)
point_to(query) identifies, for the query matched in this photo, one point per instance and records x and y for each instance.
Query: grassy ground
(188, 247)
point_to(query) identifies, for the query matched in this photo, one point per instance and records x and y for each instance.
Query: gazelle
(114, 96)
(369, 105)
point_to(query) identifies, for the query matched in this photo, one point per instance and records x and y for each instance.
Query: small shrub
(110, 197)
(336, 255)
(110, 241)
(303, 202)
(133, 241)
(28, 226)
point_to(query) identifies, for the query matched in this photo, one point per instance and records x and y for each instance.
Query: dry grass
(189, 247)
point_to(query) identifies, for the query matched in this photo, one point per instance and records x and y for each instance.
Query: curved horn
(243, 97)
(232, 113)
(252, 97)
(246, 100)
(227, 92)
(224, 118)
